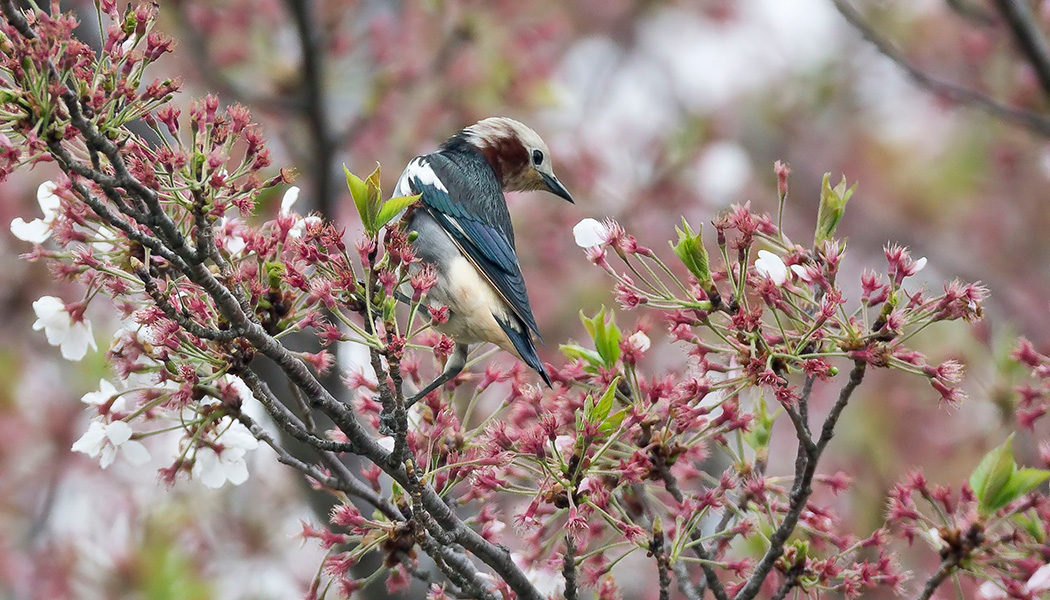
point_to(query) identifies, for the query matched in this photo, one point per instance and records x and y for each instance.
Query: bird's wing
(466, 200)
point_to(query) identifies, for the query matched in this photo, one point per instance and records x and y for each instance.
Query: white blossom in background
(770, 265)
(1036, 585)
(74, 337)
(548, 582)
(101, 242)
(38, 231)
(589, 233)
(386, 442)
(106, 440)
(724, 168)
(223, 461)
(232, 241)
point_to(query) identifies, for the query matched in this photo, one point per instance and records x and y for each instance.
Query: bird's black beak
(555, 187)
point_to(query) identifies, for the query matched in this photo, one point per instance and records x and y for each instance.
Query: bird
(463, 228)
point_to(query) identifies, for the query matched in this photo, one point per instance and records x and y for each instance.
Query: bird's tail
(526, 349)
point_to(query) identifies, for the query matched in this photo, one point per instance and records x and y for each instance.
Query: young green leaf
(391, 208)
(613, 422)
(832, 207)
(606, 336)
(690, 249)
(992, 475)
(1021, 482)
(359, 192)
(574, 351)
(604, 405)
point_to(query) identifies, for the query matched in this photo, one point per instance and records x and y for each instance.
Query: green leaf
(992, 475)
(613, 422)
(359, 192)
(391, 208)
(374, 196)
(574, 351)
(690, 249)
(832, 206)
(601, 410)
(1034, 527)
(1020, 483)
(606, 336)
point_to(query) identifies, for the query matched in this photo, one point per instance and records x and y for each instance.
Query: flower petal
(236, 471)
(109, 454)
(118, 432)
(78, 338)
(135, 453)
(35, 231)
(289, 200)
(91, 442)
(49, 201)
(771, 266)
(105, 393)
(1039, 582)
(208, 468)
(589, 233)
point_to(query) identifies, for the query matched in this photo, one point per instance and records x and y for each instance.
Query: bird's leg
(453, 367)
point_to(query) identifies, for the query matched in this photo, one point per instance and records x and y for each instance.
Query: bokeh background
(652, 110)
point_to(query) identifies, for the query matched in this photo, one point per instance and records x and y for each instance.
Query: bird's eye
(537, 157)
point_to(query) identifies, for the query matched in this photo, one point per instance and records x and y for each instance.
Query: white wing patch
(419, 169)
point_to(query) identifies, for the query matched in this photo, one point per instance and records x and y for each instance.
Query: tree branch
(568, 569)
(315, 110)
(802, 488)
(1029, 38)
(1031, 121)
(947, 567)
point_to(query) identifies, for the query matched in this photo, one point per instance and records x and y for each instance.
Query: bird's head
(517, 154)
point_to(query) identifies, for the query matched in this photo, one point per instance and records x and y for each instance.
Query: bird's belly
(473, 305)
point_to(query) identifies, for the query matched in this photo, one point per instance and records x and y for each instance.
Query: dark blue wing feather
(465, 198)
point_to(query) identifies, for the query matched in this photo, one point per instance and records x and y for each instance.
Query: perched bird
(464, 230)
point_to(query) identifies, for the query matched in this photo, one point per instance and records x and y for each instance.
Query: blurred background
(652, 110)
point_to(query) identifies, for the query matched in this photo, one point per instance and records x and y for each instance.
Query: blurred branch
(1029, 38)
(212, 75)
(1031, 121)
(315, 109)
(972, 12)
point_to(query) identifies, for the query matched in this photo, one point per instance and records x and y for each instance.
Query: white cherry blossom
(38, 231)
(74, 337)
(106, 392)
(106, 440)
(214, 466)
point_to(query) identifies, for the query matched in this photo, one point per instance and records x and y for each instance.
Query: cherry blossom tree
(492, 486)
